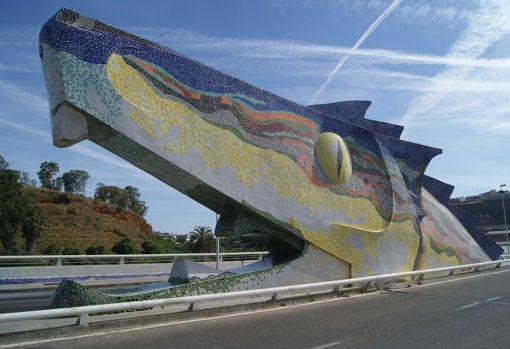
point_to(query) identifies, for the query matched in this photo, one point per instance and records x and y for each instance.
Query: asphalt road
(472, 312)
(28, 304)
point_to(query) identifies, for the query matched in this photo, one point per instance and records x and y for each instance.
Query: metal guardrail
(60, 260)
(47, 269)
(83, 313)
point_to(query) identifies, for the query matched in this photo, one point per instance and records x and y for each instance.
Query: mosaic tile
(336, 194)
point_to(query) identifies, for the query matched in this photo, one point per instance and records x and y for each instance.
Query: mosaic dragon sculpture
(336, 195)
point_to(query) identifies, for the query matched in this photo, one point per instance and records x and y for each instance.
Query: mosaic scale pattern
(335, 194)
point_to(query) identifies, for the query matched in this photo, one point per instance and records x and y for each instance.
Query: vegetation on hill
(80, 222)
(47, 220)
(488, 208)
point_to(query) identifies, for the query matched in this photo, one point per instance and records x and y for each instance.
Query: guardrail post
(338, 289)
(418, 277)
(59, 261)
(191, 306)
(274, 297)
(83, 319)
(121, 261)
(369, 287)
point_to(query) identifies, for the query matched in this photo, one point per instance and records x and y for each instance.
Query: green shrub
(150, 247)
(96, 250)
(71, 250)
(166, 245)
(53, 250)
(125, 246)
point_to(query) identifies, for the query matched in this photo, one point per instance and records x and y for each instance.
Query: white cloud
(25, 128)
(85, 150)
(460, 91)
(281, 51)
(502, 128)
(487, 25)
(423, 13)
(17, 95)
(20, 37)
(353, 49)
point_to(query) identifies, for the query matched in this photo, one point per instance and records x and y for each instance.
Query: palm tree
(201, 240)
(32, 227)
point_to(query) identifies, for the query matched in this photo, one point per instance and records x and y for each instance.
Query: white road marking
(329, 345)
(476, 303)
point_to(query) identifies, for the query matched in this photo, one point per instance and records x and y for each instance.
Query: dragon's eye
(333, 157)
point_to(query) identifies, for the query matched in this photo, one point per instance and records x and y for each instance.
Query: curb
(68, 327)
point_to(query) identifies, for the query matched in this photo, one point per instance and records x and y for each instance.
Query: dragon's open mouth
(283, 245)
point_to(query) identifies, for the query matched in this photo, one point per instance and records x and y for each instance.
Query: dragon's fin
(354, 112)
(442, 191)
(412, 168)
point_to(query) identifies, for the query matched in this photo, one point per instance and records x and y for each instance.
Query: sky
(440, 68)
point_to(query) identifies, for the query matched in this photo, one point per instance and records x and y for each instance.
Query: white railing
(59, 260)
(82, 313)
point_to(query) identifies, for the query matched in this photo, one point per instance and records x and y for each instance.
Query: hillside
(488, 208)
(81, 222)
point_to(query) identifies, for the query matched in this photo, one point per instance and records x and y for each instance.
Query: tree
(133, 201)
(201, 240)
(127, 198)
(3, 164)
(75, 181)
(125, 246)
(71, 251)
(150, 247)
(96, 250)
(57, 183)
(46, 173)
(53, 250)
(165, 242)
(32, 227)
(108, 193)
(13, 205)
(25, 179)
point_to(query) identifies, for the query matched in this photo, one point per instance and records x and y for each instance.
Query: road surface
(28, 304)
(471, 312)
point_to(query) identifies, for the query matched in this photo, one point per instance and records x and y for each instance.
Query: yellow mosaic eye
(333, 157)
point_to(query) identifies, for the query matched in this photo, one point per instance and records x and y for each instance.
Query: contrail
(365, 35)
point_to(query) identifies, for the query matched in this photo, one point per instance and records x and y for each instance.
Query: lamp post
(217, 246)
(502, 192)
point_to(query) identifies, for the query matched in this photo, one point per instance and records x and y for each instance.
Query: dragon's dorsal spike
(413, 167)
(347, 110)
(470, 222)
(440, 190)
(354, 112)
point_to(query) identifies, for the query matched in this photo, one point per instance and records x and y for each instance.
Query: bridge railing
(82, 313)
(61, 260)
(108, 269)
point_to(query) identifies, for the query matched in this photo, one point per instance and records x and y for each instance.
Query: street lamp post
(217, 246)
(502, 192)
